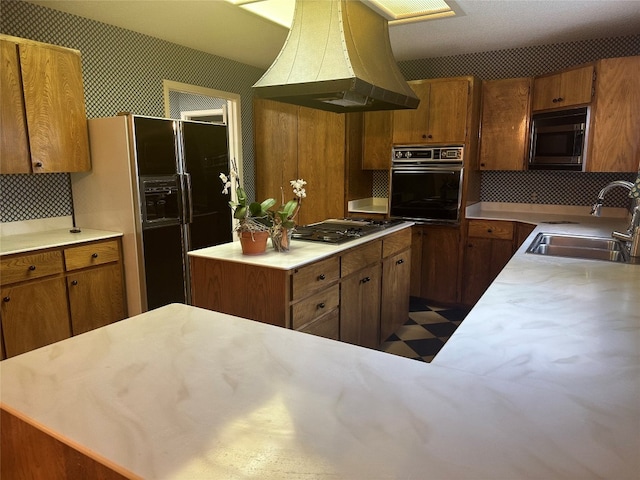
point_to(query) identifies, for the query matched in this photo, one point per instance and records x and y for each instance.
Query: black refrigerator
(157, 181)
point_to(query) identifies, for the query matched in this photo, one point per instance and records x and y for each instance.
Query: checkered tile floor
(426, 331)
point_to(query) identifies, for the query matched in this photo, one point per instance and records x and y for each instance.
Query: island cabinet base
(353, 295)
(248, 291)
(31, 452)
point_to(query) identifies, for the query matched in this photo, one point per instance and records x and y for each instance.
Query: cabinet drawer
(93, 254)
(315, 306)
(306, 280)
(491, 229)
(17, 268)
(361, 257)
(396, 242)
(327, 326)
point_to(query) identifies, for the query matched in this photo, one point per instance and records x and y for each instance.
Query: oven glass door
(427, 194)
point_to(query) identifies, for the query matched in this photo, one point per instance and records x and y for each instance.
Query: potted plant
(283, 218)
(253, 219)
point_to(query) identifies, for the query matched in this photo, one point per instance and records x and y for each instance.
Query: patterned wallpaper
(123, 71)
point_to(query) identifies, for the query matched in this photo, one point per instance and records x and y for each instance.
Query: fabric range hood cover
(337, 57)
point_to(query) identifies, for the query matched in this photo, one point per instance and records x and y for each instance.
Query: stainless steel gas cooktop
(338, 231)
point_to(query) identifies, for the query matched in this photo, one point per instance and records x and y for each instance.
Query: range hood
(337, 57)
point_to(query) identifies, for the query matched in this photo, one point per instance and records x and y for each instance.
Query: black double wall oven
(426, 183)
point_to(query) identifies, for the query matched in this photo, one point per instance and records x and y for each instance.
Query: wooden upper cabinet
(276, 146)
(52, 93)
(564, 89)
(14, 149)
(505, 124)
(441, 116)
(321, 162)
(377, 140)
(615, 117)
(297, 142)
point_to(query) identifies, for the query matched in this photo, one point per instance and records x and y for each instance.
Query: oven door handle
(426, 169)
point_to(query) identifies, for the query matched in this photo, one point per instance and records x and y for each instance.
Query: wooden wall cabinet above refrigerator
(563, 89)
(43, 116)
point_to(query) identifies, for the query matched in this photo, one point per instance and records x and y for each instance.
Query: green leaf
(267, 204)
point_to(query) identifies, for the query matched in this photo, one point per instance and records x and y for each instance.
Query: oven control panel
(433, 154)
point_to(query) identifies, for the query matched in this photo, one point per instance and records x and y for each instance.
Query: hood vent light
(337, 57)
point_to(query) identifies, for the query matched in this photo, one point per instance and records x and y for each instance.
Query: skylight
(395, 11)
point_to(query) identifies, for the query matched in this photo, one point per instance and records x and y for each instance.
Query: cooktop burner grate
(340, 231)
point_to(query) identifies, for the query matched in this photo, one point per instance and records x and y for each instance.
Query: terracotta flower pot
(253, 243)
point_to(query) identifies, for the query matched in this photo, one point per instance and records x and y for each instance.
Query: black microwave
(558, 140)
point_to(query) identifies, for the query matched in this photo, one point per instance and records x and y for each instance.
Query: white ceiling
(220, 28)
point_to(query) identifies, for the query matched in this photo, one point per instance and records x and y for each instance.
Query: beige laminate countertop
(25, 242)
(541, 381)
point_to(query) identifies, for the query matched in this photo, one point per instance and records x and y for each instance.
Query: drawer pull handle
(74, 282)
(94, 255)
(321, 305)
(32, 267)
(400, 262)
(365, 280)
(321, 276)
(6, 299)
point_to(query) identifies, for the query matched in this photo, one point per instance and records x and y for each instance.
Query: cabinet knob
(321, 276)
(489, 230)
(94, 255)
(400, 262)
(38, 164)
(74, 282)
(32, 267)
(321, 305)
(6, 299)
(365, 280)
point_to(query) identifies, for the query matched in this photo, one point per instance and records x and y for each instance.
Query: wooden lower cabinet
(489, 247)
(360, 307)
(34, 314)
(437, 272)
(342, 297)
(396, 280)
(96, 298)
(49, 296)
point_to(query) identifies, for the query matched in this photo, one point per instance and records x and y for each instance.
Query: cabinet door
(321, 162)
(396, 277)
(360, 308)
(505, 124)
(564, 89)
(34, 314)
(377, 140)
(276, 145)
(14, 146)
(55, 109)
(96, 297)
(440, 252)
(483, 260)
(448, 111)
(616, 122)
(412, 126)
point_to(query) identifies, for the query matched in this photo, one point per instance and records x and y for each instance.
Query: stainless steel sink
(578, 246)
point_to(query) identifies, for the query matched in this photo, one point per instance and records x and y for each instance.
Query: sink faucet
(632, 236)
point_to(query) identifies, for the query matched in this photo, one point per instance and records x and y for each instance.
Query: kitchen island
(541, 381)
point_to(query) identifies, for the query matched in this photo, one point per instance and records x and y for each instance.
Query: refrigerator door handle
(188, 197)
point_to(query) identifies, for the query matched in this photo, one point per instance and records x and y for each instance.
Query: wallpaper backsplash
(123, 71)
